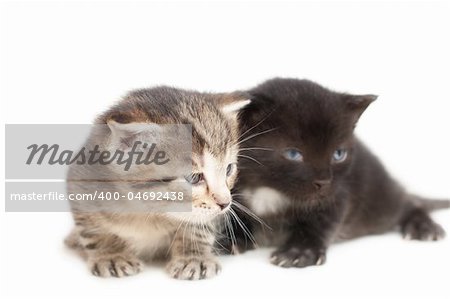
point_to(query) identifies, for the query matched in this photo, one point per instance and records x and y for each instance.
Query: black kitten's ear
(360, 102)
(357, 104)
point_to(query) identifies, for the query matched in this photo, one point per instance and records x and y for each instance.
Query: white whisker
(257, 124)
(255, 135)
(243, 227)
(256, 148)
(231, 230)
(250, 158)
(174, 236)
(251, 214)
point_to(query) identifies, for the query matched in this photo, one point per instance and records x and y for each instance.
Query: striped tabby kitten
(116, 243)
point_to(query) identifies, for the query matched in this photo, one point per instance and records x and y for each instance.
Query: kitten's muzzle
(223, 206)
(222, 201)
(322, 185)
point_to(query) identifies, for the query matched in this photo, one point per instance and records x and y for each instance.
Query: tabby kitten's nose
(223, 203)
(223, 206)
(321, 184)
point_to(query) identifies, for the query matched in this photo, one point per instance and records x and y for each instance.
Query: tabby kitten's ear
(232, 103)
(124, 135)
(357, 104)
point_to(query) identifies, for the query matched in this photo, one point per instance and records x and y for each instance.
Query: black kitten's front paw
(298, 257)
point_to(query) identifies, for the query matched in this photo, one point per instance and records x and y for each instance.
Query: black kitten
(312, 181)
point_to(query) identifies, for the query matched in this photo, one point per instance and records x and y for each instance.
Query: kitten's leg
(191, 256)
(418, 225)
(307, 242)
(107, 254)
(73, 239)
(302, 249)
(237, 237)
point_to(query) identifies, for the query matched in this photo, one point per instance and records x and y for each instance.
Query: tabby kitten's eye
(231, 168)
(194, 178)
(293, 154)
(339, 155)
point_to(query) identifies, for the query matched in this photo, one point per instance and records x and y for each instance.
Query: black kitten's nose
(321, 184)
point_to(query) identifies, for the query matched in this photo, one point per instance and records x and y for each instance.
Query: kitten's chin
(194, 216)
(316, 198)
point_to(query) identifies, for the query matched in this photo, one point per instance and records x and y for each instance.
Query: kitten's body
(117, 243)
(308, 199)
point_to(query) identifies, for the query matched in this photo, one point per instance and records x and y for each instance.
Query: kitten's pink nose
(222, 201)
(322, 184)
(223, 206)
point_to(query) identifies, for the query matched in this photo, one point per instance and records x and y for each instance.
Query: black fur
(324, 201)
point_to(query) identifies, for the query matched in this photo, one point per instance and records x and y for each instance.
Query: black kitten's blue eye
(293, 154)
(339, 155)
(194, 178)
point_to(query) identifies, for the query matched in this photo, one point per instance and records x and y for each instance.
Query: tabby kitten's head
(304, 136)
(213, 154)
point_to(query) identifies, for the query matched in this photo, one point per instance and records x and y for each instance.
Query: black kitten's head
(304, 137)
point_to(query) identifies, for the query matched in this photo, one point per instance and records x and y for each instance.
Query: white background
(66, 62)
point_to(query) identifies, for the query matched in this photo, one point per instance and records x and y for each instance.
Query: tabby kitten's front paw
(298, 257)
(115, 266)
(193, 268)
